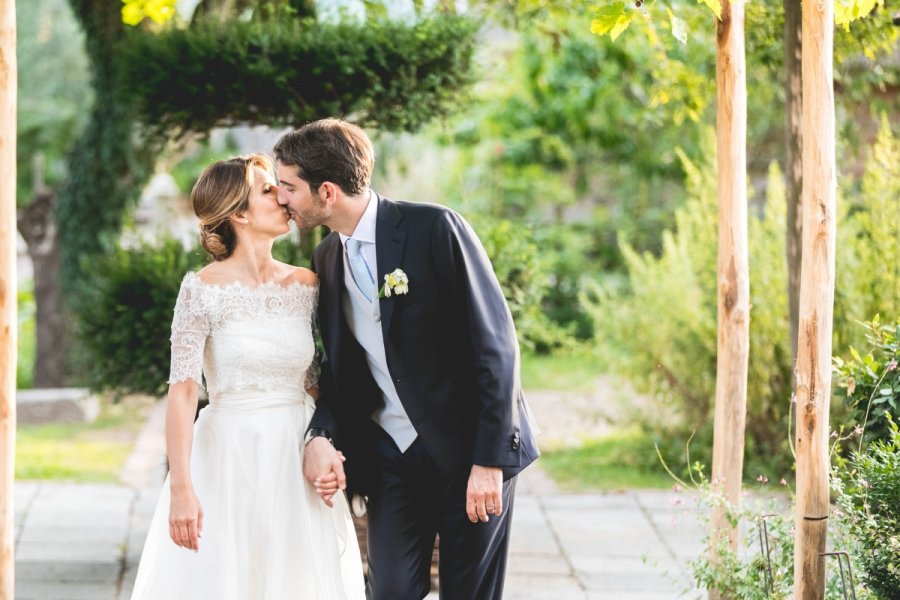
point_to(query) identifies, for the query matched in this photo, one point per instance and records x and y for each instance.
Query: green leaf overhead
(714, 5)
(612, 19)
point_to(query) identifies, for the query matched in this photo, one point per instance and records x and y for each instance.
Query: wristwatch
(315, 432)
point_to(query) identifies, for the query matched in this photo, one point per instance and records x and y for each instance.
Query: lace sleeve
(314, 369)
(190, 328)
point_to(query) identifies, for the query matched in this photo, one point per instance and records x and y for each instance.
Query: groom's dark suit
(451, 349)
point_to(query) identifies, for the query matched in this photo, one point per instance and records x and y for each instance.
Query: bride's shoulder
(301, 275)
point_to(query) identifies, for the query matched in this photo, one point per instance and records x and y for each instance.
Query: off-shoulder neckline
(240, 285)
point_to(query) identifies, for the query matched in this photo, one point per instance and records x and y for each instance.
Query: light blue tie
(361, 274)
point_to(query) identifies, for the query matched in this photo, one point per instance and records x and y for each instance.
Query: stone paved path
(83, 541)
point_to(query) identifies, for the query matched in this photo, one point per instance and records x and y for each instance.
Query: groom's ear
(328, 192)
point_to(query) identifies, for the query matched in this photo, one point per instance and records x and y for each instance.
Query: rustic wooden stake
(733, 266)
(8, 297)
(813, 371)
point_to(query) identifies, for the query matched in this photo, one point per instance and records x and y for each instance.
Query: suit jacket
(450, 345)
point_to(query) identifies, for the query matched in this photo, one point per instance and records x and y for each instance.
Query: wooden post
(733, 265)
(8, 83)
(813, 372)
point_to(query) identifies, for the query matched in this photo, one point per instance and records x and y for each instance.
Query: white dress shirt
(364, 320)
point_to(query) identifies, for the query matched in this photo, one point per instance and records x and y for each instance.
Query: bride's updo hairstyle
(222, 190)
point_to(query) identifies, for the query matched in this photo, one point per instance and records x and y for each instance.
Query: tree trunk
(793, 162)
(37, 225)
(733, 266)
(813, 371)
(8, 296)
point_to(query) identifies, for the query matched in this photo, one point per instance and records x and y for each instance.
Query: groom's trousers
(414, 502)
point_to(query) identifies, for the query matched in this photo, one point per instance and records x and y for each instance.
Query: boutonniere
(395, 282)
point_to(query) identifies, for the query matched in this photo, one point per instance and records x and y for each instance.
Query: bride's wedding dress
(266, 534)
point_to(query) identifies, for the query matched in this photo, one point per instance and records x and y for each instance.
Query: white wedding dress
(266, 534)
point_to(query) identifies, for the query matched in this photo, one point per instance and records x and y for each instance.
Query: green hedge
(126, 317)
(281, 73)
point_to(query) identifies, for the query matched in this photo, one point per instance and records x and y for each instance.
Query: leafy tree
(54, 93)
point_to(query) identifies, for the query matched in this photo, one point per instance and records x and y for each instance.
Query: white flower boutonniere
(395, 282)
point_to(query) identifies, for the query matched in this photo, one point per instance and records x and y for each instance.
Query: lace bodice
(240, 337)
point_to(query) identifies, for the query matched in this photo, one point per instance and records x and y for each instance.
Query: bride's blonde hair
(224, 189)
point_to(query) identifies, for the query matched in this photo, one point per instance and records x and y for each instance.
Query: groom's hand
(484, 495)
(323, 467)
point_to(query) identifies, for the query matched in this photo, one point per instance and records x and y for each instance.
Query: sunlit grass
(80, 451)
(575, 372)
(622, 460)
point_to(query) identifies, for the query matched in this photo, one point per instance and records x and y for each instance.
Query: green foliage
(872, 381)
(869, 500)
(847, 11)
(27, 340)
(187, 170)
(127, 313)
(107, 164)
(868, 261)
(612, 19)
(54, 91)
(524, 281)
(745, 575)
(289, 71)
(582, 126)
(662, 321)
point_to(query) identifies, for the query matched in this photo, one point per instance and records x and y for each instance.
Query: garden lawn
(622, 460)
(569, 372)
(93, 452)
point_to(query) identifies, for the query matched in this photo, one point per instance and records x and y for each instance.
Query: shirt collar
(365, 229)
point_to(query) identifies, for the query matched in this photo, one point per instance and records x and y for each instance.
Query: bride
(236, 519)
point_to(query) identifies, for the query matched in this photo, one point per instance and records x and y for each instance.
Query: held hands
(323, 467)
(484, 494)
(185, 518)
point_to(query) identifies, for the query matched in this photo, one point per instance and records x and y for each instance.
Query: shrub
(662, 320)
(872, 381)
(869, 501)
(524, 279)
(125, 321)
(750, 573)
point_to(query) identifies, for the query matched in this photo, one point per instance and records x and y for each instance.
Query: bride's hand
(323, 467)
(185, 519)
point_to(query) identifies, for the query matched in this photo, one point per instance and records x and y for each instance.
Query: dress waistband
(254, 398)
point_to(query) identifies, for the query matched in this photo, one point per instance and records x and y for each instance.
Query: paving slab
(83, 541)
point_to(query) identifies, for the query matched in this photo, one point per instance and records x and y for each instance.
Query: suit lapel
(332, 300)
(390, 242)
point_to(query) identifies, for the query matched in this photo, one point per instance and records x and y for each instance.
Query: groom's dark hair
(329, 150)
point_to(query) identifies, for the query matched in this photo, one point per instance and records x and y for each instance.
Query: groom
(420, 389)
